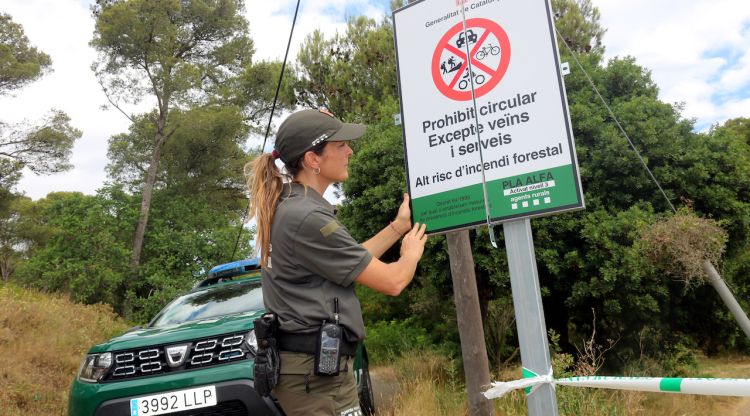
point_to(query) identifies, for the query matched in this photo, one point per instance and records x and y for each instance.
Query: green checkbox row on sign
(537, 193)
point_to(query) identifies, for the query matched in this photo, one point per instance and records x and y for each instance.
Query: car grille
(231, 408)
(199, 353)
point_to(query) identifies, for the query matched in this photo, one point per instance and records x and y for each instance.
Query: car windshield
(216, 301)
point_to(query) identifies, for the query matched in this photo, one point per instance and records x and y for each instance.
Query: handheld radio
(329, 345)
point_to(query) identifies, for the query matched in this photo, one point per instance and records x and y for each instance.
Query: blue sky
(698, 52)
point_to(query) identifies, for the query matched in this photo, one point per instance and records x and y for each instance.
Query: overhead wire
(614, 118)
(270, 119)
(476, 121)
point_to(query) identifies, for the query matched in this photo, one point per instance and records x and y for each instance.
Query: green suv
(194, 358)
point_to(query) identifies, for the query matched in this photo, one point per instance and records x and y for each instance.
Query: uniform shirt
(313, 260)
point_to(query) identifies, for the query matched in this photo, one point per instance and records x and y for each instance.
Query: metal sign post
(527, 302)
(487, 139)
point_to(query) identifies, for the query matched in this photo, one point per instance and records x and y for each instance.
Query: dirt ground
(385, 388)
(744, 408)
(731, 368)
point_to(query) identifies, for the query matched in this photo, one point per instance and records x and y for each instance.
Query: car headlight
(252, 341)
(94, 367)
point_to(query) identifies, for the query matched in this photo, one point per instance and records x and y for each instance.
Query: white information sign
(520, 120)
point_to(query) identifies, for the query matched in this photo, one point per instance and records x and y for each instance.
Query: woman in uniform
(310, 262)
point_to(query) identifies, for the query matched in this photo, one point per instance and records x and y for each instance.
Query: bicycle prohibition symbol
(489, 49)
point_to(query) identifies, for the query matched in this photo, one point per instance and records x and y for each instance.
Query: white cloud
(63, 29)
(270, 22)
(686, 45)
(738, 75)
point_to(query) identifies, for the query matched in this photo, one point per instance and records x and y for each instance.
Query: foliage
(43, 147)
(179, 52)
(81, 254)
(253, 91)
(387, 341)
(20, 63)
(197, 203)
(740, 127)
(197, 189)
(379, 151)
(82, 248)
(18, 235)
(716, 180)
(681, 243)
(499, 331)
(577, 21)
(188, 236)
(352, 74)
(610, 277)
(204, 157)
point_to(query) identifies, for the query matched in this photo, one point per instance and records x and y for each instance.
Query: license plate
(176, 401)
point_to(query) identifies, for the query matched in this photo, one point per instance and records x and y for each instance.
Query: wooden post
(470, 330)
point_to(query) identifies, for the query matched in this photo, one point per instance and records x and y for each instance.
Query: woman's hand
(403, 218)
(412, 246)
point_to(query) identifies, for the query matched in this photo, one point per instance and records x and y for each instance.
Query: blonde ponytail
(265, 183)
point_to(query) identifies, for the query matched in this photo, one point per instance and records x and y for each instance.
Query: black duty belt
(305, 343)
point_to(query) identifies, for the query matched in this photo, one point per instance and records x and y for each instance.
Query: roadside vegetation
(426, 384)
(43, 340)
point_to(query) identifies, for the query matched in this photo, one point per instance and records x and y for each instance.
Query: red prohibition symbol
(489, 51)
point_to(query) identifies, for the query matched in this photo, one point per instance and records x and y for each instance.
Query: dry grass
(423, 389)
(681, 243)
(43, 340)
(694, 405)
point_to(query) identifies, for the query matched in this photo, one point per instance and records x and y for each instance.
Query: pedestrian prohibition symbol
(490, 55)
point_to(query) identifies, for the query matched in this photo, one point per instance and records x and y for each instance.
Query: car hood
(145, 337)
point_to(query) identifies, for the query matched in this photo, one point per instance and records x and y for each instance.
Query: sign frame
(566, 145)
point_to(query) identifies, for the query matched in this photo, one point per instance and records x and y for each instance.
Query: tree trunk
(5, 268)
(148, 190)
(148, 187)
(470, 330)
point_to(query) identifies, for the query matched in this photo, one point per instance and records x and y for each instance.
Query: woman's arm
(392, 278)
(387, 237)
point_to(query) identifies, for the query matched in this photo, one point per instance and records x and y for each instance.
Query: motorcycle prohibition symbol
(464, 82)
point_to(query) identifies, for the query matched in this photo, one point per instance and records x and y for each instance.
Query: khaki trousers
(301, 393)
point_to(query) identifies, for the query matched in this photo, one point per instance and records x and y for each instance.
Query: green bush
(388, 340)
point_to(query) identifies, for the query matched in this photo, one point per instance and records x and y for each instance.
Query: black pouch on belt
(266, 367)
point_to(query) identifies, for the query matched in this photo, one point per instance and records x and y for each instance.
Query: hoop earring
(316, 171)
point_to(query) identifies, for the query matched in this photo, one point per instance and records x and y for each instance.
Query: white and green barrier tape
(704, 386)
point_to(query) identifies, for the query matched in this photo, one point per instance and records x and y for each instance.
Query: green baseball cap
(305, 129)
